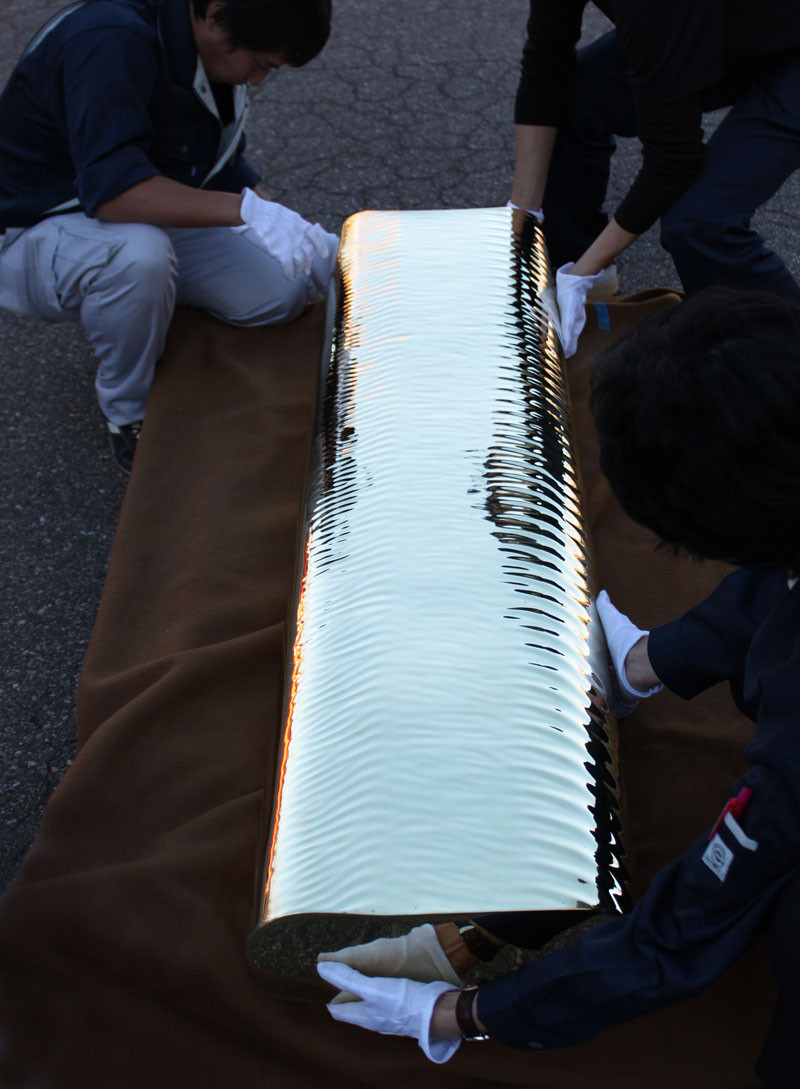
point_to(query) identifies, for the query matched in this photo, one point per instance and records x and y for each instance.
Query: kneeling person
(122, 172)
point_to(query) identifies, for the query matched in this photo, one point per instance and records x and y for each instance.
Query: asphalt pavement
(409, 106)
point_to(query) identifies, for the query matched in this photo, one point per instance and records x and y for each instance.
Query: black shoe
(123, 438)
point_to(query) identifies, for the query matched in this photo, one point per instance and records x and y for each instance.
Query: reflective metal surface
(446, 748)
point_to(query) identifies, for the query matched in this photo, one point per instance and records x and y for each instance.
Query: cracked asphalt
(409, 106)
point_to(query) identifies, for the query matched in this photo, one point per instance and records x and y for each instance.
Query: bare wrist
(638, 670)
(443, 1021)
(608, 245)
(584, 266)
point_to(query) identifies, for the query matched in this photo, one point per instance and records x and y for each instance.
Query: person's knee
(276, 308)
(708, 248)
(688, 229)
(687, 233)
(676, 228)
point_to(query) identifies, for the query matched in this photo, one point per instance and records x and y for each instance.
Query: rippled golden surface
(442, 756)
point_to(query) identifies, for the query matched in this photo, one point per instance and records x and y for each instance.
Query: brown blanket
(121, 945)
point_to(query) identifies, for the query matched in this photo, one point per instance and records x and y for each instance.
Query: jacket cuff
(495, 1010)
(679, 672)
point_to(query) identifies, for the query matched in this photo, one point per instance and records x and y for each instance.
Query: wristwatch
(464, 1019)
(479, 943)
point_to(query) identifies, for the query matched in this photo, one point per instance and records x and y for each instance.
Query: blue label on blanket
(603, 317)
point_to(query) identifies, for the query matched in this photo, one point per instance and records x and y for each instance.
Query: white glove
(394, 1007)
(571, 292)
(416, 955)
(621, 635)
(282, 233)
(531, 211)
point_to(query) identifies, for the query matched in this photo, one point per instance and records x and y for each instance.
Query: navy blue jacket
(112, 95)
(702, 911)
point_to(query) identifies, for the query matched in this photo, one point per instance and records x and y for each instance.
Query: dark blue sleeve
(698, 917)
(108, 79)
(709, 644)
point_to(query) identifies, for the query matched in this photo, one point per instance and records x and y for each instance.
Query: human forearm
(167, 203)
(534, 149)
(710, 642)
(673, 153)
(611, 241)
(443, 1022)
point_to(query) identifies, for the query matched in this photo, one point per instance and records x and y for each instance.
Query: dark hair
(698, 415)
(296, 28)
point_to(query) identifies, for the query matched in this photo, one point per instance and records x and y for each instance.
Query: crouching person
(124, 189)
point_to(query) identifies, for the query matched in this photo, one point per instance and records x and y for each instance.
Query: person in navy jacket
(123, 180)
(697, 414)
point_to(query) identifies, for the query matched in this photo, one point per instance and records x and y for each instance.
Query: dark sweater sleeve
(548, 59)
(672, 52)
(671, 134)
(709, 644)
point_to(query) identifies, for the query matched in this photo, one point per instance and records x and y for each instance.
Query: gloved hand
(394, 1007)
(416, 955)
(282, 233)
(621, 635)
(531, 211)
(571, 293)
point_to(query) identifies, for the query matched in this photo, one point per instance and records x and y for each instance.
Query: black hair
(298, 29)
(698, 414)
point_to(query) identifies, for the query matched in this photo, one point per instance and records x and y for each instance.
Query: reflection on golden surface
(446, 749)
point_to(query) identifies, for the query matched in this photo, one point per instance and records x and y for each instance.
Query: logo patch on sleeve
(718, 857)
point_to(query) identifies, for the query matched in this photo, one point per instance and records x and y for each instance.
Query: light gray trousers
(123, 280)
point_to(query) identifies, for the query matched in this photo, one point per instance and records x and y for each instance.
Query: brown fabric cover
(121, 944)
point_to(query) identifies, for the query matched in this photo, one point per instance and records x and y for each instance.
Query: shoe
(123, 439)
